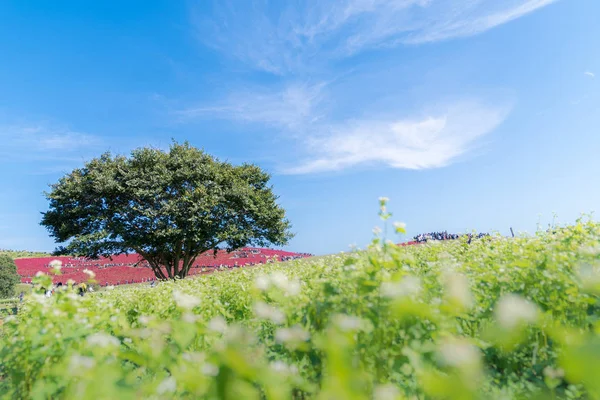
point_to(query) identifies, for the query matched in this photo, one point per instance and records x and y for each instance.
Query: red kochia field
(131, 268)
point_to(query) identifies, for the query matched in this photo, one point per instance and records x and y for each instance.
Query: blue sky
(467, 114)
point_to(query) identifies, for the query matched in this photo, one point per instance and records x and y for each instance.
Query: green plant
(8, 276)
(496, 318)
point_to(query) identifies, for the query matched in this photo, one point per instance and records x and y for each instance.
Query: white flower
(457, 289)
(39, 273)
(410, 286)
(89, 273)
(55, 265)
(400, 227)
(386, 392)
(383, 199)
(218, 324)
(102, 340)
(185, 300)
(262, 282)
(189, 317)
(553, 373)
(78, 362)
(210, 369)
(459, 354)
(168, 385)
(513, 310)
(293, 288)
(294, 334)
(265, 311)
(376, 230)
(590, 250)
(348, 322)
(279, 279)
(281, 367)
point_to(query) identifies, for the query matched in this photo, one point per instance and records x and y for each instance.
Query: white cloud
(429, 142)
(313, 38)
(39, 141)
(304, 35)
(590, 74)
(292, 107)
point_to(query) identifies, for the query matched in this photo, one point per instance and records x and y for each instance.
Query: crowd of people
(81, 289)
(424, 237)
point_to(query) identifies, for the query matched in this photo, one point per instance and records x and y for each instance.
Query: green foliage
(497, 318)
(23, 253)
(167, 206)
(8, 276)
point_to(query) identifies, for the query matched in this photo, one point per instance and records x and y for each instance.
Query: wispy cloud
(290, 107)
(409, 143)
(590, 74)
(309, 41)
(36, 141)
(286, 37)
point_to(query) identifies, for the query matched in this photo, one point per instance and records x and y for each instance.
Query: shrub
(8, 276)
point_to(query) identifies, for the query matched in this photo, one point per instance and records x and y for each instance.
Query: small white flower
(384, 199)
(185, 300)
(513, 310)
(283, 368)
(168, 385)
(400, 227)
(376, 230)
(590, 250)
(293, 288)
(386, 392)
(55, 264)
(102, 340)
(210, 369)
(410, 286)
(39, 273)
(262, 282)
(90, 274)
(348, 322)
(553, 373)
(265, 311)
(279, 279)
(457, 289)
(459, 354)
(294, 334)
(218, 324)
(78, 362)
(190, 318)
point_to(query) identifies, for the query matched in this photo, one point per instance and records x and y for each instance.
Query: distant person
(21, 296)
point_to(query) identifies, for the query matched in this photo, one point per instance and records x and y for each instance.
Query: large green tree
(8, 276)
(168, 206)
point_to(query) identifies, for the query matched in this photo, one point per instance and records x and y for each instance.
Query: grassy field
(24, 253)
(497, 318)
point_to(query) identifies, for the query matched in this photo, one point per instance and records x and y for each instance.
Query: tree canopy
(8, 276)
(167, 206)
